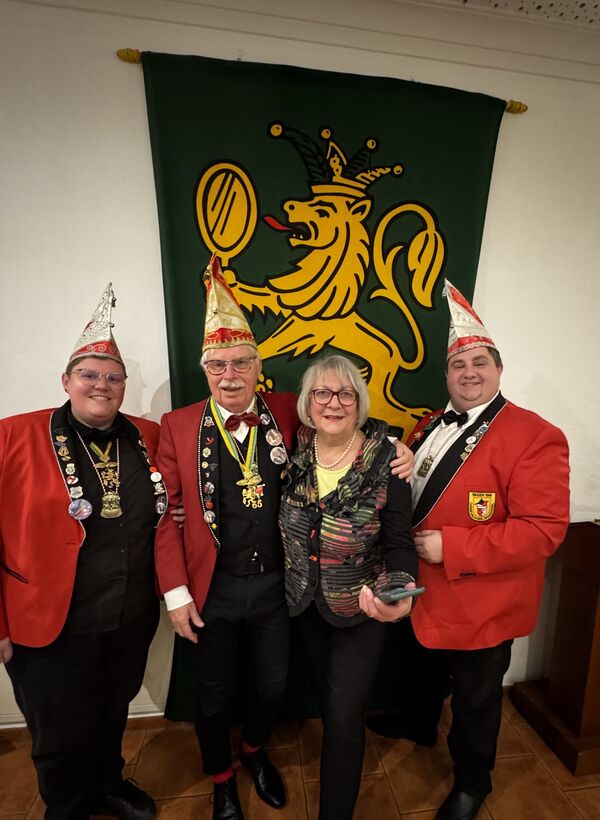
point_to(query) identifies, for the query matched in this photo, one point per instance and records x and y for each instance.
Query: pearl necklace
(337, 461)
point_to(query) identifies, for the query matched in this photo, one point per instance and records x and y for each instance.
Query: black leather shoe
(267, 780)
(226, 801)
(460, 806)
(395, 727)
(128, 802)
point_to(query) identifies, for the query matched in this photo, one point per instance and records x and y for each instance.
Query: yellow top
(327, 480)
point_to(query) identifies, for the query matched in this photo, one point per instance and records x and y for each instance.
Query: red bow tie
(233, 422)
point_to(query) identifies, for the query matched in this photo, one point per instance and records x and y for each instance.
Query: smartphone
(390, 595)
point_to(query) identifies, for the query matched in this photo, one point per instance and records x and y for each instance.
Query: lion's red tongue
(274, 223)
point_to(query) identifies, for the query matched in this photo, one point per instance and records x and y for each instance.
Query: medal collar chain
(109, 480)
(338, 460)
(251, 481)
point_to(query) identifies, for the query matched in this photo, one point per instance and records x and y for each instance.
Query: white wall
(78, 208)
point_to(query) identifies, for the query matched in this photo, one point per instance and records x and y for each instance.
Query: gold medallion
(252, 496)
(111, 506)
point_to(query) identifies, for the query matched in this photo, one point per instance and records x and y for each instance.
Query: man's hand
(182, 619)
(429, 546)
(178, 516)
(403, 464)
(375, 608)
(6, 650)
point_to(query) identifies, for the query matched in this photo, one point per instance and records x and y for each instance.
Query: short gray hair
(346, 371)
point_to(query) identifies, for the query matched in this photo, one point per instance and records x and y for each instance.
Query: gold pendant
(252, 495)
(425, 466)
(111, 506)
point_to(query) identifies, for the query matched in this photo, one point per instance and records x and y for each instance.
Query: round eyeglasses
(94, 376)
(216, 367)
(322, 395)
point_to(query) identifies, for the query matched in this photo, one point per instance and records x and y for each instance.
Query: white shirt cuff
(179, 596)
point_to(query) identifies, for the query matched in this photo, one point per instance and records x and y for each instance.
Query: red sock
(223, 776)
(247, 749)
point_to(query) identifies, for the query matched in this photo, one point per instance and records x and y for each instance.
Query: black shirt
(114, 580)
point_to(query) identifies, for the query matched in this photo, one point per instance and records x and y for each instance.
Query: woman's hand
(403, 464)
(374, 607)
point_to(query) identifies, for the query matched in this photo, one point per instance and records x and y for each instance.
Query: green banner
(336, 203)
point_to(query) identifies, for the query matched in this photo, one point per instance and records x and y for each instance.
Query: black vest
(246, 531)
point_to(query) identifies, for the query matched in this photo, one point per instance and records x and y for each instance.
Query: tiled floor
(401, 781)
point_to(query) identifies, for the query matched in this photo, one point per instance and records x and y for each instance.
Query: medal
(160, 506)
(209, 488)
(103, 455)
(252, 495)
(111, 505)
(251, 481)
(75, 492)
(108, 476)
(155, 476)
(253, 487)
(208, 421)
(273, 437)
(80, 509)
(209, 517)
(425, 466)
(70, 469)
(278, 455)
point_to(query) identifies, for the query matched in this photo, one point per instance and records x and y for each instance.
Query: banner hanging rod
(134, 55)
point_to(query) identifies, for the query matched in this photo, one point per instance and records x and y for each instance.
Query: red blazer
(502, 511)
(187, 556)
(39, 540)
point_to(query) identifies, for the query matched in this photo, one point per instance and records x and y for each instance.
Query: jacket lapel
(208, 472)
(62, 441)
(454, 459)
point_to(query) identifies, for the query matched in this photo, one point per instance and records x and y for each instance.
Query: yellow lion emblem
(318, 299)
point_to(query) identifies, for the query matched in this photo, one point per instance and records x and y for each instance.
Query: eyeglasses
(93, 377)
(216, 367)
(322, 395)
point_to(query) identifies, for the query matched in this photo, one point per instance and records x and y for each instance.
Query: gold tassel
(516, 107)
(130, 55)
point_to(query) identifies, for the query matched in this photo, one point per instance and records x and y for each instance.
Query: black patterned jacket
(360, 533)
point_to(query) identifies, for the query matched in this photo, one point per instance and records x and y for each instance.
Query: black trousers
(75, 695)
(474, 677)
(344, 661)
(476, 713)
(245, 620)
